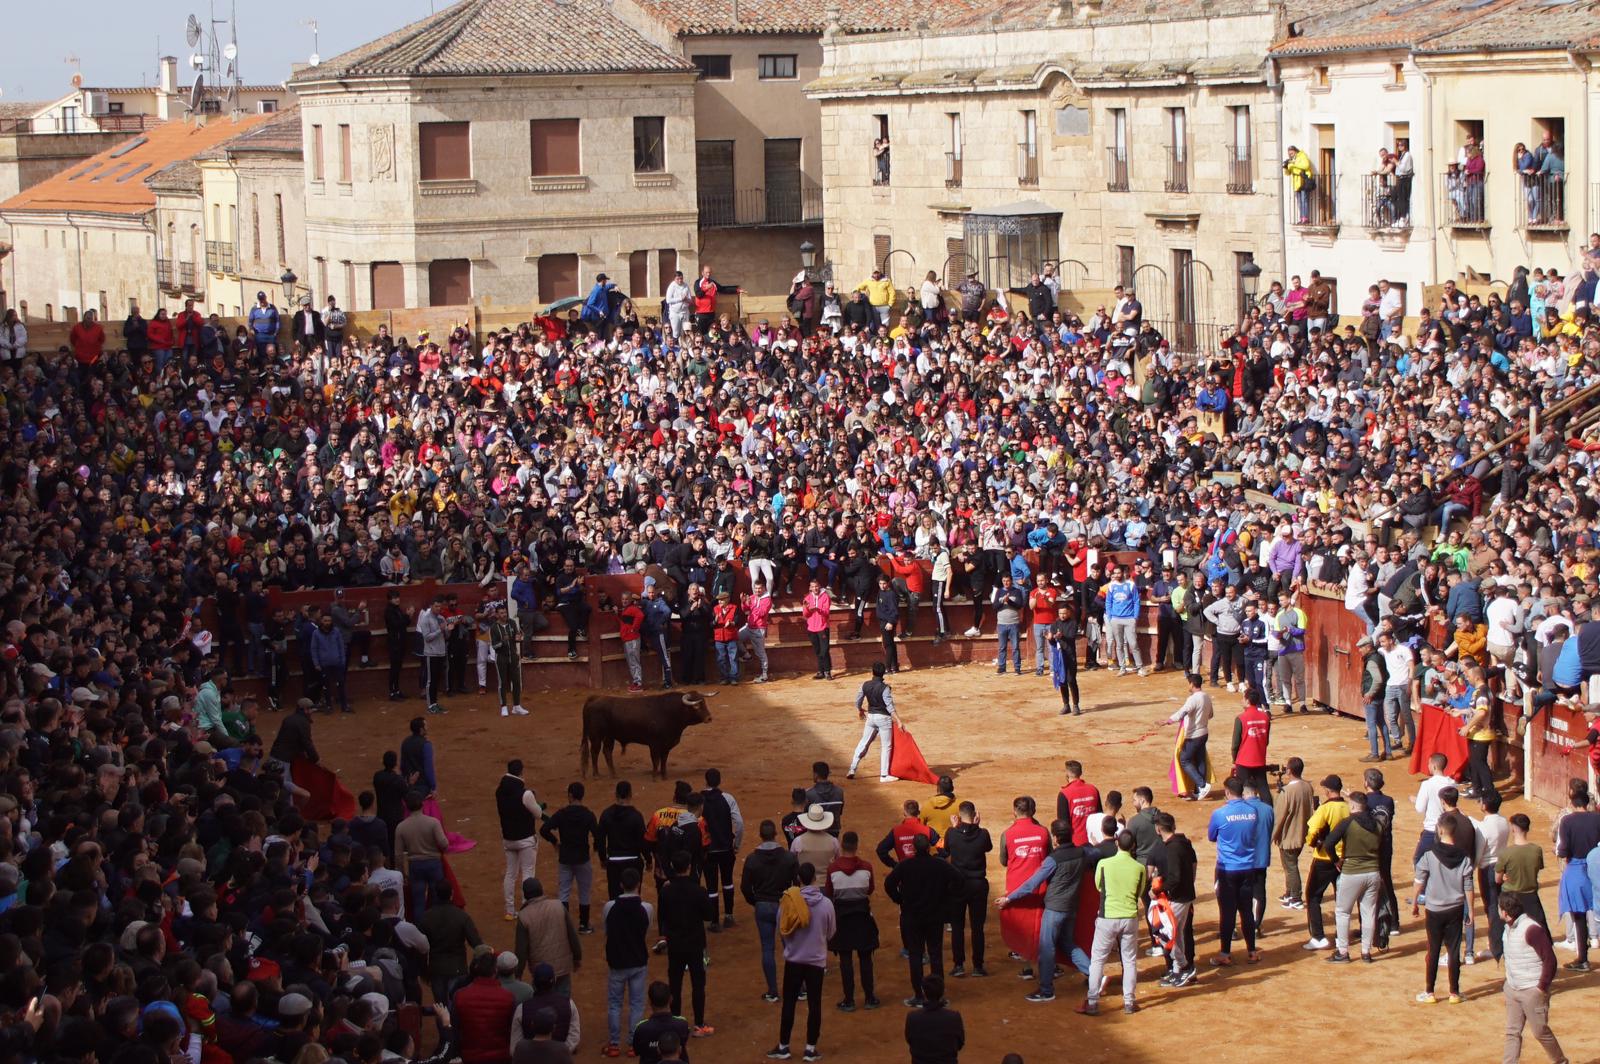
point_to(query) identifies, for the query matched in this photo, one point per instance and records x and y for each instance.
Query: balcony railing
(756, 207)
(186, 277)
(77, 124)
(1386, 202)
(1027, 163)
(1116, 169)
(1316, 207)
(221, 257)
(1461, 200)
(952, 169)
(1177, 170)
(164, 274)
(1544, 202)
(1241, 171)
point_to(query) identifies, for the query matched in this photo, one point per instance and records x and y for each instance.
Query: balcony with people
(1542, 175)
(1312, 194)
(1386, 192)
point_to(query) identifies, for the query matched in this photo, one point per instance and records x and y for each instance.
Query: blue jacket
(1021, 571)
(657, 616)
(327, 648)
(597, 307)
(264, 322)
(1122, 600)
(1236, 829)
(1265, 819)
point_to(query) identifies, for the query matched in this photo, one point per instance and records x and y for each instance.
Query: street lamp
(1249, 274)
(288, 279)
(808, 256)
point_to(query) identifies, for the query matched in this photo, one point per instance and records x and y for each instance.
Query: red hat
(263, 969)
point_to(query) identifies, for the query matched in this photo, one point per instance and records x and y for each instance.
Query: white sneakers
(506, 711)
(972, 633)
(1230, 686)
(1317, 943)
(1144, 670)
(888, 779)
(1201, 794)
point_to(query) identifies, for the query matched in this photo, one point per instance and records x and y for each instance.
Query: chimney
(1088, 10)
(831, 25)
(167, 75)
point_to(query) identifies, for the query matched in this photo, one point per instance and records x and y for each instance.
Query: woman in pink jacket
(815, 608)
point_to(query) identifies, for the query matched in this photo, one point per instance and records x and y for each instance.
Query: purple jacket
(1284, 557)
(810, 944)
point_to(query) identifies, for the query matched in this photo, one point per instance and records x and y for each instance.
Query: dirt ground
(1000, 737)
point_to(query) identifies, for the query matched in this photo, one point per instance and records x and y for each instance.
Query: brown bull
(656, 721)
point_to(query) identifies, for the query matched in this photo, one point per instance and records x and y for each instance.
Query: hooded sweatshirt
(809, 944)
(1444, 877)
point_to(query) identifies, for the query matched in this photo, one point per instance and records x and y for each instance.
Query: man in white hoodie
(677, 300)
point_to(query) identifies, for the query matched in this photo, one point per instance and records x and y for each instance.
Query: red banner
(328, 799)
(906, 760)
(1438, 732)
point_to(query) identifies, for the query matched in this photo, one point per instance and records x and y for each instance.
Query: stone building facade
(479, 156)
(1128, 142)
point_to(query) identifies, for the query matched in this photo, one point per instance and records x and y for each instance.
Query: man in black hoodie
(685, 911)
(570, 830)
(934, 1034)
(826, 793)
(968, 846)
(1174, 860)
(725, 826)
(926, 889)
(619, 839)
(768, 872)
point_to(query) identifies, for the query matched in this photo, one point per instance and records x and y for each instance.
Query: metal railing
(1316, 207)
(221, 257)
(1027, 163)
(755, 207)
(77, 124)
(1241, 171)
(186, 277)
(164, 273)
(952, 169)
(1190, 337)
(1462, 200)
(1177, 170)
(1116, 170)
(1386, 201)
(1544, 202)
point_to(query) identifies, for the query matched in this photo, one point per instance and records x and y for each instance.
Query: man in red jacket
(1251, 731)
(483, 1010)
(186, 329)
(1042, 603)
(900, 844)
(910, 581)
(1077, 802)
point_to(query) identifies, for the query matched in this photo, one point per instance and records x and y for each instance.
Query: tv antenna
(315, 58)
(215, 56)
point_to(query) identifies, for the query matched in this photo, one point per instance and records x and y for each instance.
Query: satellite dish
(195, 92)
(315, 60)
(77, 81)
(192, 31)
(197, 61)
(230, 51)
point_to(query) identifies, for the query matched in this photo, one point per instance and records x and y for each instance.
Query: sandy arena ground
(1000, 737)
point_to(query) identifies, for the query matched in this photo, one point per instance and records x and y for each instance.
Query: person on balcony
(1549, 182)
(1302, 179)
(1405, 171)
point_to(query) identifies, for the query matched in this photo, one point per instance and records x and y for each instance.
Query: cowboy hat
(816, 818)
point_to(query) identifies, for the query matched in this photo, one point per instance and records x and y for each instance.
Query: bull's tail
(585, 746)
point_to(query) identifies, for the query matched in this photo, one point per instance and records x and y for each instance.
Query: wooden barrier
(1333, 662)
(1556, 754)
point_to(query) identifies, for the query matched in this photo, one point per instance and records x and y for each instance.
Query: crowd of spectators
(159, 895)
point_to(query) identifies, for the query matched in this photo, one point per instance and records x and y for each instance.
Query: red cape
(906, 760)
(1437, 734)
(328, 799)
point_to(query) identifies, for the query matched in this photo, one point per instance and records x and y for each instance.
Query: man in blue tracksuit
(329, 656)
(1236, 829)
(1122, 615)
(1253, 639)
(263, 324)
(1266, 817)
(657, 624)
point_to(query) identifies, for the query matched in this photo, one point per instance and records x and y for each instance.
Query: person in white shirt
(1503, 615)
(1427, 803)
(1195, 715)
(1494, 831)
(1401, 666)
(677, 300)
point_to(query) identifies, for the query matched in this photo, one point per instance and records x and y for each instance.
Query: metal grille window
(649, 145)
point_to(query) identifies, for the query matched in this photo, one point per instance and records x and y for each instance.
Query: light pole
(1249, 275)
(808, 257)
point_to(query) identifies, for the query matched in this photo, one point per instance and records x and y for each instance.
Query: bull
(656, 721)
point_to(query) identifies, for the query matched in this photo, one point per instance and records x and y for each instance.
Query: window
(344, 154)
(638, 274)
(388, 286)
(255, 226)
(649, 145)
(211, 107)
(952, 155)
(114, 107)
(770, 67)
(449, 282)
(69, 124)
(715, 67)
(105, 307)
(1125, 265)
(781, 168)
(1028, 150)
(1117, 150)
(558, 277)
(1241, 162)
(879, 157)
(349, 285)
(49, 312)
(267, 107)
(1319, 77)
(316, 153)
(713, 163)
(444, 151)
(1177, 150)
(880, 249)
(1397, 75)
(277, 212)
(666, 266)
(554, 147)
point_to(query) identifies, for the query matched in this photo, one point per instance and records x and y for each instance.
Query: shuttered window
(666, 266)
(388, 286)
(558, 277)
(344, 154)
(638, 274)
(880, 249)
(449, 282)
(445, 150)
(554, 143)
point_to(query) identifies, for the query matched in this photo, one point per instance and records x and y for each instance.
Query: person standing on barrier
(431, 627)
(1291, 664)
(505, 642)
(757, 615)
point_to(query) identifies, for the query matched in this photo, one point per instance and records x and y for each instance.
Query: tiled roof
(14, 109)
(181, 176)
(503, 38)
(279, 134)
(1013, 13)
(1244, 67)
(785, 16)
(1442, 26)
(113, 182)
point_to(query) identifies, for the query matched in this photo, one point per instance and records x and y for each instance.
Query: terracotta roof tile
(279, 134)
(784, 16)
(1040, 12)
(13, 109)
(114, 181)
(502, 38)
(1521, 25)
(1441, 25)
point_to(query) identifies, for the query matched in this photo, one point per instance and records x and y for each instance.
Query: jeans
(1041, 648)
(422, 874)
(631, 655)
(1124, 643)
(767, 932)
(881, 727)
(757, 639)
(798, 977)
(1356, 889)
(619, 981)
(1053, 927)
(1010, 637)
(1192, 760)
(1375, 729)
(1302, 204)
(1123, 936)
(1397, 715)
(1478, 770)
(728, 660)
(819, 647)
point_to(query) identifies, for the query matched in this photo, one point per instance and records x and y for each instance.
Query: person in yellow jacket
(1324, 865)
(880, 293)
(1302, 179)
(939, 812)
